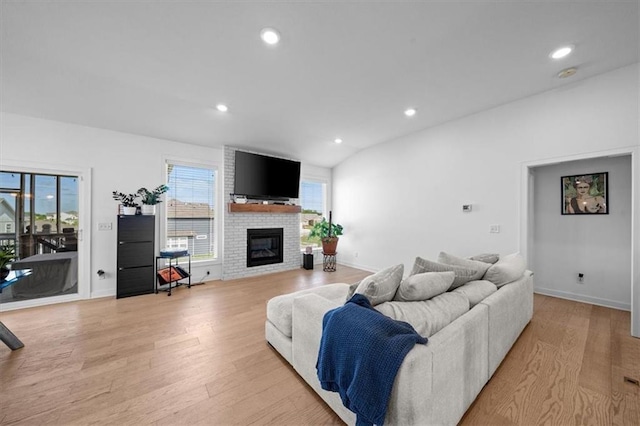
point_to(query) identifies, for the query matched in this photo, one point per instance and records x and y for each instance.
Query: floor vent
(632, 381)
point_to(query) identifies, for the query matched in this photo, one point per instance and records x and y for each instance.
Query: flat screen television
(267, 178)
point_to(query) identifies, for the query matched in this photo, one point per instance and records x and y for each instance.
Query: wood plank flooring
(199, 357)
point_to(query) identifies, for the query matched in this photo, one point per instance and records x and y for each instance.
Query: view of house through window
(312, 199)
(39, 223)
(190, 208)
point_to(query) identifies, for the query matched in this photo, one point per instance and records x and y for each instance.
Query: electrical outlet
(494, 229)
(106, 226)
(355, 254)
(580, 278)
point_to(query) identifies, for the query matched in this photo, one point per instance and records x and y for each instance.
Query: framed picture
(585, 194)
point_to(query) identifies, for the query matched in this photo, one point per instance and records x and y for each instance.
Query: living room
(399, 197)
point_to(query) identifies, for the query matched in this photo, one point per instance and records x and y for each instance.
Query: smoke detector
(568, 72)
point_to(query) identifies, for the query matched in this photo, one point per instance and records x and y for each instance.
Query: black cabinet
(136, 247)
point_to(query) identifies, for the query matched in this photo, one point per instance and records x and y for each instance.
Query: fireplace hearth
(264, 246)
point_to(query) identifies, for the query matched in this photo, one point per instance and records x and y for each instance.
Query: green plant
(152, 198)
(7, 254)
(127, 200)
(321, 229)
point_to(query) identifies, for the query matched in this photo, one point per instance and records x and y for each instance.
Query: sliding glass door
(39, 216)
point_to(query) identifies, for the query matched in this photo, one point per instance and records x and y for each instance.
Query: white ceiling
(342, 69)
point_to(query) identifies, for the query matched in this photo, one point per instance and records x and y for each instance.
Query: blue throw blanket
(360, 353)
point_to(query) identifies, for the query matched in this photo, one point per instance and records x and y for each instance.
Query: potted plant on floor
(128, 202)
(328, 233)
(7, 255)
(151, 198)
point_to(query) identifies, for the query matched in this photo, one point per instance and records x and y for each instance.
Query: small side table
(329, 262)
(179, 277)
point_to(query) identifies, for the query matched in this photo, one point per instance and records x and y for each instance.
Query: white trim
(31, 303)
(525, 219)
(84, 223)
(218, 222)
(582, 298)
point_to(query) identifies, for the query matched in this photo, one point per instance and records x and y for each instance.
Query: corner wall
(403, 198)
(117, 161)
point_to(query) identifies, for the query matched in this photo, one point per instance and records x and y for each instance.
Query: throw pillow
(424, 286)
(480, 267)
(508, 269)
(462, 274)
(486, 257)
(476, 291)
(381, 286)
(428, 317)
(352, 290)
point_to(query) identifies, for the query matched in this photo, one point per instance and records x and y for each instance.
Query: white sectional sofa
(437, 382)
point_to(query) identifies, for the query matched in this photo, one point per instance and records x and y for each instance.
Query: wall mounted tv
(267, 178)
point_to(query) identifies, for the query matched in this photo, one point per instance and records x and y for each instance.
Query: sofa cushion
(486, 257)
(476, 291)
(462, 274)
(424, 286)
(428, 316)
(381, 286)
(279, 308)
(352, 290)
(506, 270)
(479, 267)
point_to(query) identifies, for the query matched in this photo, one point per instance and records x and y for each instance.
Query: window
(39, 212)
(313, 196)
(190, 210)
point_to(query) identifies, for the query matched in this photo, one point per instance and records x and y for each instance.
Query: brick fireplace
(237, 224)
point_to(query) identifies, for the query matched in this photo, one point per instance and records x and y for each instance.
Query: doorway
(41, 217)
(601, 247)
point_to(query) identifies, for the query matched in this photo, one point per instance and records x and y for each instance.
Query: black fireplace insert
(264, 246)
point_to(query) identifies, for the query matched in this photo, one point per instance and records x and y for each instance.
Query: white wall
(118, 161)
(595, 245)
(404, 198)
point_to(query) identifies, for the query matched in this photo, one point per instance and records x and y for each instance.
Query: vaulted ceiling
(341, 70)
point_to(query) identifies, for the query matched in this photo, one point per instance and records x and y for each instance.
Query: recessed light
(410, 112)
(222, 108)
(337, 140)
(562, 52)
(270, 36)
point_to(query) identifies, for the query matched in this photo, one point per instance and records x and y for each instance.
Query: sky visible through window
(312, 196)
(182, 184)
(45, 188)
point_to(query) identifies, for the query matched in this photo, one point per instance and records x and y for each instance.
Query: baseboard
(102, 293)
(363, 267)
(582, 298)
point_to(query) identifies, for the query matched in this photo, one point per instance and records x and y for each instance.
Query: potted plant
(151, 198)
(128, 202)
(7, 255)
(328, 233)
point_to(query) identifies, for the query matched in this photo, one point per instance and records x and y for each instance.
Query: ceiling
(342, 69)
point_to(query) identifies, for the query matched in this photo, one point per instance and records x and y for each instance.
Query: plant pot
(148, 209)
(129, 211)
(329, 245)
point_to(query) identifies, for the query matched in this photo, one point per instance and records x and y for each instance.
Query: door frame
(84, 228)
(526, 215)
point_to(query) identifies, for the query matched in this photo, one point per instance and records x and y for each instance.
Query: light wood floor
(199, 357)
